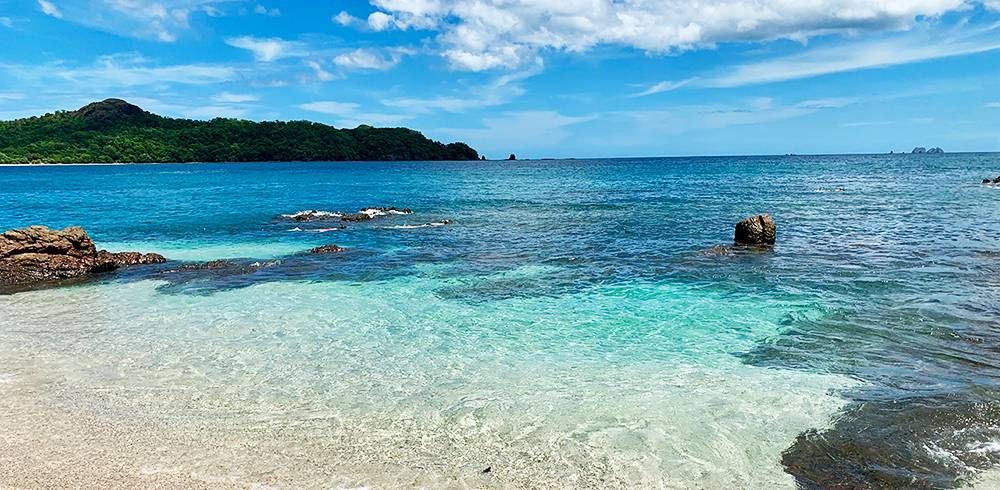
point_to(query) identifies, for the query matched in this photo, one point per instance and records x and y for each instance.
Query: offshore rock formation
(756, 230)
(365, 214)
(37, 254)
(327, 249)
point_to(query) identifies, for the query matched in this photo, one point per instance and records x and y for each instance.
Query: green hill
(115, 131)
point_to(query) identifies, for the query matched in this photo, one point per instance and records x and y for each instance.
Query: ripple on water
(543, 389)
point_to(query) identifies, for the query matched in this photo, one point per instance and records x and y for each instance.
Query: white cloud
(50, 9)
(498, 92)
(331, 107)
(318, 70)
(757, 110)
(993, 105)
(346, 19)
(5, 96)
(128, 71)
(518, 131)
(484, 34)
(267, 49)
(368, 59)
(664, 86)
(911, 48)
(6, 22)
(351, 116)
(230, 98)
(270, 12)
(160, 20)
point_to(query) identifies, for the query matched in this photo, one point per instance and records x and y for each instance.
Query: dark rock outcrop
(37, 254)
(362, 214)
(372, 213)
(935, 151)
(756, 230)
(919, 150)
(327, 249)
(512, 157)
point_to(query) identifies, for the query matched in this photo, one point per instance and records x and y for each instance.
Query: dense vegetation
(116, 131)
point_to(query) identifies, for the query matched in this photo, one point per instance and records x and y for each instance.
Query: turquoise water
(571, 326)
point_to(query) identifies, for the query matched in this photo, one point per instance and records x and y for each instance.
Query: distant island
(921, 150)
(115, 131)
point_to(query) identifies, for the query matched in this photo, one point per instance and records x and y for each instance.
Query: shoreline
(540, 159)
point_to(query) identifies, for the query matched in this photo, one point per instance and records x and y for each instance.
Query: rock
(512, 157)
(996, 180)
(37, 254)
(935, 151)
(919, 150)
(362, 214)
(312, 215)
(756, 230)
(327, 249)
(371, 213)
(987, 181)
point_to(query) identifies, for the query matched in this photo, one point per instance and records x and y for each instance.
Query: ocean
(565, 323)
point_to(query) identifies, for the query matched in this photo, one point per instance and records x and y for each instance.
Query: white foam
(425, 225)
(312, 213)
(316, 230)
(376, 212)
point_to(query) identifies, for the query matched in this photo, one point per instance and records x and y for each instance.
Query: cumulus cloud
(345, 19)
(267, 49)
(485, 34)
(50, 9)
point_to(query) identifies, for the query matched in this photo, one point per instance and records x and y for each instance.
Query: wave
(376, 212)
(425, 225)
(312, 214)
(315, 230)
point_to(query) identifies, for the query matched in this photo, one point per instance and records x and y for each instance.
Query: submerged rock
(756, 230)
(37, 254)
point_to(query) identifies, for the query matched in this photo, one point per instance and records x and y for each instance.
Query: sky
(540, 78)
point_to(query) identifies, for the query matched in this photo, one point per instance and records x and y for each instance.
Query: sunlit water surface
(571, 327)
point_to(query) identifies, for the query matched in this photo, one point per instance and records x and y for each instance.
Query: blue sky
(542, 78)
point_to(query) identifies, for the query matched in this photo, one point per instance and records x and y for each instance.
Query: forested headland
(115, 131)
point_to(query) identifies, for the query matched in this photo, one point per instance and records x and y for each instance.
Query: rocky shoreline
(37, 255)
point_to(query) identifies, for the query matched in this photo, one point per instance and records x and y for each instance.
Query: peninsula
(115, 131)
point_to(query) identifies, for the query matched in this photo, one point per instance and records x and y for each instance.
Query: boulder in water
(756, 230)
(37, 254)
(327, 249)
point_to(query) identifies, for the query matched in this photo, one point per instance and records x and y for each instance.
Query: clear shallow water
(569, 328)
